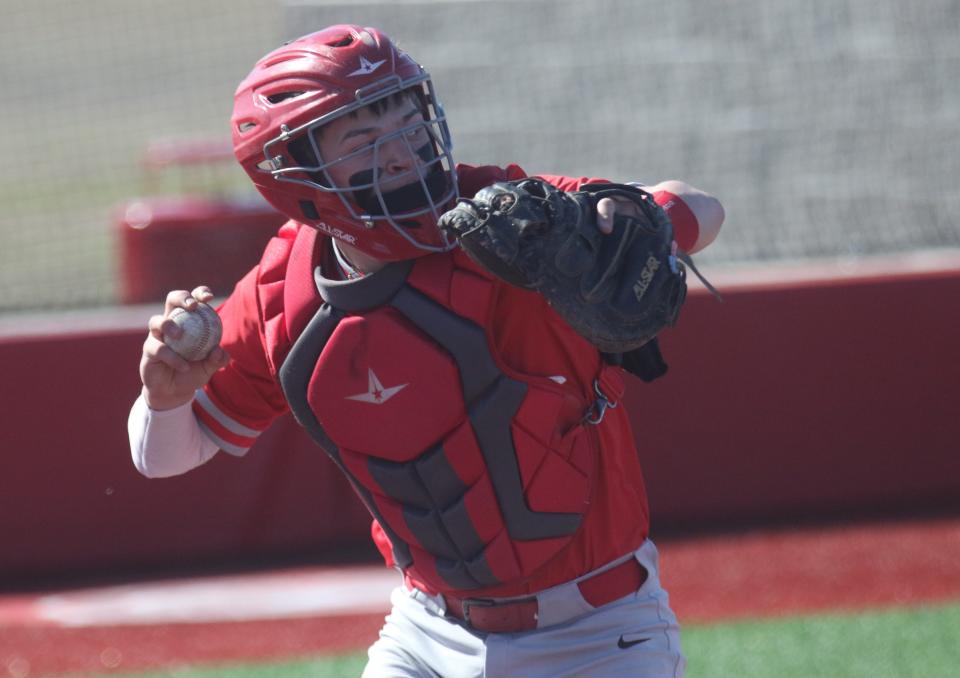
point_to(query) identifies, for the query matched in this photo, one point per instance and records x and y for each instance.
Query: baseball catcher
(617, 290)
(480, 432)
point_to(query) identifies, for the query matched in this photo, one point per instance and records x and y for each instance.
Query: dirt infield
(843, 568)
(748, 575)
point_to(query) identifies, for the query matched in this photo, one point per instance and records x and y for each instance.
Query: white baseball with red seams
(201, 332)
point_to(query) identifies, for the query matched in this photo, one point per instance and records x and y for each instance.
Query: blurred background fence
(827, 127)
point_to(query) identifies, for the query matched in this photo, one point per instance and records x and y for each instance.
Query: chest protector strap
(353, 295)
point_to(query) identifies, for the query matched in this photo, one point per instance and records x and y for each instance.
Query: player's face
(387, 164)
(389, 147)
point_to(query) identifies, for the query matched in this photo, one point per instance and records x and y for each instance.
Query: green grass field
(898, 643)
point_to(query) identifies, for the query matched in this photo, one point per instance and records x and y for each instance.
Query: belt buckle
(467, 603)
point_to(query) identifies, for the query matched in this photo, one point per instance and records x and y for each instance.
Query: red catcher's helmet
(298, 88)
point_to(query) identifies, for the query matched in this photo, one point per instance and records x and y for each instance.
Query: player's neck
(361, 261)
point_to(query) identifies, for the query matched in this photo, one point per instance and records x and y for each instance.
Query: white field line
(273, 595)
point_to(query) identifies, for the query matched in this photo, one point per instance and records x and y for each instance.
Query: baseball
(201, 332)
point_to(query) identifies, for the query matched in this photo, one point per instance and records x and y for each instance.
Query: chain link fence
(827, 128)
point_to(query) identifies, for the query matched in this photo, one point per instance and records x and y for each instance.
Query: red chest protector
(478, 474)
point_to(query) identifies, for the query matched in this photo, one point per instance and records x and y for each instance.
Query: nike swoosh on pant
(624, 644)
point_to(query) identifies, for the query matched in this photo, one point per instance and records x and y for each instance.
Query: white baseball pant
(636, 636)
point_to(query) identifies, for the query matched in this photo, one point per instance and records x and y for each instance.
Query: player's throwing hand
(168, 379)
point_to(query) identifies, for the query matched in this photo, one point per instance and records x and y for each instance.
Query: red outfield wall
(806, 393)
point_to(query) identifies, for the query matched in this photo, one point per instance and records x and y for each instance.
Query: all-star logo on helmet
(367, 67)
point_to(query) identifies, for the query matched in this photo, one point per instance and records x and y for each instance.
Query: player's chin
(410, 191)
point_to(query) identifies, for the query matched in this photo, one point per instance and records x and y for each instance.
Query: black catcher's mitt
(618, 290)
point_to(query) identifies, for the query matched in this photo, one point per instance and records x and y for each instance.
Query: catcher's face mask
(388, 160)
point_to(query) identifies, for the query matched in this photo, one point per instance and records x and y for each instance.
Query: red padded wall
(72, 502)
(806, 396)
(807, 399)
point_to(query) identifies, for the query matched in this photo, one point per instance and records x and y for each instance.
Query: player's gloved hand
(617, 289)
(168, 380)
(608, 209)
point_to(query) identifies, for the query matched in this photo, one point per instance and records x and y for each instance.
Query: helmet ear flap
(309, 210)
